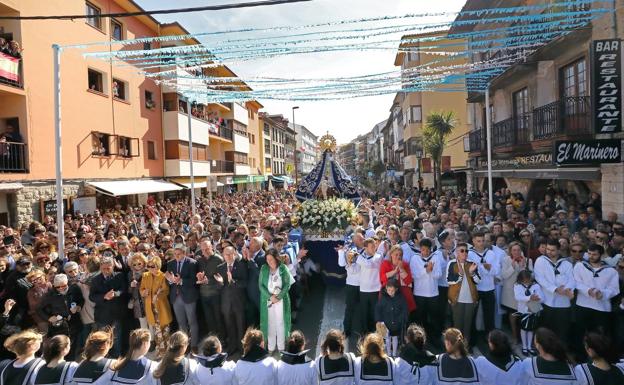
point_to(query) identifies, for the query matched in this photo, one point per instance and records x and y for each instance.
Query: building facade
(307, 151)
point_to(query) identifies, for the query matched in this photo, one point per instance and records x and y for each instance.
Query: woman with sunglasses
(40, 287)
(138, 263)
(155, 292)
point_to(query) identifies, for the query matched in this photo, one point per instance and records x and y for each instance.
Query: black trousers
(589, 320)
(211, 307)
(368, 301)
(233, 310)
(443, 306)
(557, 319)
(427, 314)
(352, 301)
(488, 303)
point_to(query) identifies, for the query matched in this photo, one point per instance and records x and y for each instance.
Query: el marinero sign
(569, 152)
(606, 56)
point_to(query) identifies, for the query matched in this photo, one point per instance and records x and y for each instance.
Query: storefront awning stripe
(130, 187)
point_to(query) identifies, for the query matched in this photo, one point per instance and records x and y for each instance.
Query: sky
(344, 119)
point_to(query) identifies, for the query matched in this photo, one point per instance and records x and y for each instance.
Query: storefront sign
(521, 161)
(48, 208)
(607, 85)
(588, 151)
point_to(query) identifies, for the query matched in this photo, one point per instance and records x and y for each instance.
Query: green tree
(438, 127)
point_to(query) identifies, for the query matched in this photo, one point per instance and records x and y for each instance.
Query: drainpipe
(614, 19)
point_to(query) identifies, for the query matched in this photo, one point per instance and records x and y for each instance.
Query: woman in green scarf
(274, 283)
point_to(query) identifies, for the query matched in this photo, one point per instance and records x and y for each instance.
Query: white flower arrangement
(326, 216)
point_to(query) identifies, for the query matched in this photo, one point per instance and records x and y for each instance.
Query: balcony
(221, 132)
(569, 116)
(176, 127)
(476, 140)
(512, 132)
(182, 167)
(13, 157)
(221, 166)
(11, 70)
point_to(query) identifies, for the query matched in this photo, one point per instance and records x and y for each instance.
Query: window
(574, 79)
(151, 150)
(241, 158)
(147, 46)
(267, 130)
(267, 162)
(120, 89)
(124, 146)
(267, 145)
(415, 114)
(94, 18)
(520, 112)
(149, 100)
(96, 81)
(413, 55)
(100, 142)
(116, 30)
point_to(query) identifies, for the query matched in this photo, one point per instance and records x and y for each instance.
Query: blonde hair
(457, 341)
(98, 342)
(139, 256)
(157, 261)
(372, 347)
(22, 342)
(30, 277)
(253, 337)
(137, 338)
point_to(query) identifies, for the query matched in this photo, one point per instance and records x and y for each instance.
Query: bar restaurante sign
(597, 151)
(607, 85)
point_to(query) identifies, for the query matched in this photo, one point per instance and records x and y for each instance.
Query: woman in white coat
(295, 367)
(415, 365)
(513, 264)
(133, 368)
(255, 367)
(335, 366)
(374, 367)
(213, 367)
(500, 365)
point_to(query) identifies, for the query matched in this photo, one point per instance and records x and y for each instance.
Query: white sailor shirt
(461, 371)
(487, 276)
(408, 252)
(336, 372)
(381, 373)
(353, 270)
(262, 372)
(439, 253)
(604, 278)
(136, 372)
(550, 276)
(296, 369)
(537, 371)
(369, 272)
(523, 294)
(425, 283)
(214, 370)
(588, 374)
(506, 372)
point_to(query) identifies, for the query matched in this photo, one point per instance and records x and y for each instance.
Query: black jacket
(209, 265)
(55, 303)
(108, 312)
(240, 275)
(392, 311)
(188, 289)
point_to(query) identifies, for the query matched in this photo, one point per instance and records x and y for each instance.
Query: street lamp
(295, 152)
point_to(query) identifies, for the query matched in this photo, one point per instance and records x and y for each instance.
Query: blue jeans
(117, 334)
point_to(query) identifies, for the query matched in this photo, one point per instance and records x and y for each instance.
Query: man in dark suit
(183, 293)
(233, 275)
(254, 257)
(108, 292)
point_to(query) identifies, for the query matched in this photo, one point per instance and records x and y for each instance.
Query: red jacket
(406, 283)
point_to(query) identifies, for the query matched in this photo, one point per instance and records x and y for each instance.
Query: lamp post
(295, 152)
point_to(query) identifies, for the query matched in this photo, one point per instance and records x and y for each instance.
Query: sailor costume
(588, 374)
(135, 372)
(340, 371)
(593, 312)
(10, 374)
(296, 369)
(538, 371)
(214, 370)
(89, 371)
(415, 367)
(462, 371)
(61, 374)
(180, 374)
(255, 368)
(496, 371)
(550, 276)
(375, 373)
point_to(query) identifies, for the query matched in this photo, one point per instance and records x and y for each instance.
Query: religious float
(327, 211)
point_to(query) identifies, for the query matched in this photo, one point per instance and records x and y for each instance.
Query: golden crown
(328, 143)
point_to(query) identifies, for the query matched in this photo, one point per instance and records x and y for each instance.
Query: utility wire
(219, 7)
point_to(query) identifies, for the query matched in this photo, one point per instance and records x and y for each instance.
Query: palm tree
(438, 127)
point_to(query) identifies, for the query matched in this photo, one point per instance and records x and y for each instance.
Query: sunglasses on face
(151, 266)
(576, 251)
(137, 264)
(62, 287)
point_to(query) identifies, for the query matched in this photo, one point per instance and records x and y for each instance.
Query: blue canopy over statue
(327, 179)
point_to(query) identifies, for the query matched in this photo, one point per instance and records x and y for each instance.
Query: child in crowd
(391, 311)
(529, 296)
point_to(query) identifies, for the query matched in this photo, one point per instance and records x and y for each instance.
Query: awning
(198, 184)
(136, 186)
(8, 186)
(282, 179)
(578, 173)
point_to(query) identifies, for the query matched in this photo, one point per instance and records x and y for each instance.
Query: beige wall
(82, 111)
(254, 128)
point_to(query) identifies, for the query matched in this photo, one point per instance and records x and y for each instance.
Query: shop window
(94, 18)
(100, 144)
(96, 80)
(120, 89)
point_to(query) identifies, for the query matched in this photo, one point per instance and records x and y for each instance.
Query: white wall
(176, 128)
(241, 143)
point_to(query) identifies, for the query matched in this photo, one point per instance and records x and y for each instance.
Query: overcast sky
(344, 119)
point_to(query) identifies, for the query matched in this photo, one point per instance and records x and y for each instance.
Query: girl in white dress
(374, 367)
(213, 367)
(133, 368)
(335, 367)
(500, 365)
(295, 367)
(551, 366)
(456, 367)
(415, 365)
(529, 296)
(255, 367)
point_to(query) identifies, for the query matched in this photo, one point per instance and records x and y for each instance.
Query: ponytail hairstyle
(333, 343)
(23, 343)
(210, 346)
(176, 347)
(98, 343)
(372, 347)
(550, 343)
(456, 339)
(295, 342)
(416, 336)
(253, 337)
(137, 338)
(54, 347)
(500, 345)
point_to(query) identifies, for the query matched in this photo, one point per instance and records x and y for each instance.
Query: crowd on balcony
(11, 48)
(549, 272)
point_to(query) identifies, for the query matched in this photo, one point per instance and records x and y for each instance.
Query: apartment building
(543, 104)
(278, 149)
(307, 150)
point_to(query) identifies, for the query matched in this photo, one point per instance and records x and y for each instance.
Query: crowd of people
(550, 273)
